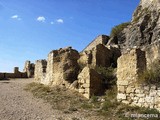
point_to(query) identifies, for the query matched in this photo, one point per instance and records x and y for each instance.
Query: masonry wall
(102, 39)
(29, 68)
(62, 67)
(40, 70)
(89, 82)
(16, 74)
(130, 66)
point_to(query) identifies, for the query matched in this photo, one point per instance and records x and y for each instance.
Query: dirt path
(17, 104)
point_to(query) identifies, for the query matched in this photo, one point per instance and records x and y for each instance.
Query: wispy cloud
(41, 19)
(60, 21)
(52, 23)
(16, 17)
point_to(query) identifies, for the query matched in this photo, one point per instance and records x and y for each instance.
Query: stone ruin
(63, 68)
(100, 55)
(40, 70)
(28, 72)
(130, 66)
(29, 69)
(101, 39)
(15, 74)
(89, 82)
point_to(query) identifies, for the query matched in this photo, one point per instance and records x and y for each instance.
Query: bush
(117, 29)
(152, 75)
(108, 74)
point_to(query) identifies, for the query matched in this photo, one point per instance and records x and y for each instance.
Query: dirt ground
(18, 104)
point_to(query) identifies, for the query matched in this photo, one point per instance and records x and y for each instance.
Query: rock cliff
(144, 28)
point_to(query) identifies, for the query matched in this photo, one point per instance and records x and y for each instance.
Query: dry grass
(69, 101)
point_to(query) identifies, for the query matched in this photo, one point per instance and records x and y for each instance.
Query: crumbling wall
(29, 69)
(40, 70)
(62, 67)
(130, 91)
(89, 82)
(16, 74)
(101, 39)
(100, 55)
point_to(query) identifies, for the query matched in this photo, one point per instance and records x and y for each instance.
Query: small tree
(117, 29)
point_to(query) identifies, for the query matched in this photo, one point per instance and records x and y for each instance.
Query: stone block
(130, 90)
(121, 96)
(125, 102)
(140, 95)
(121, 89)
(122, 82)
(81, 91)
(94, 84)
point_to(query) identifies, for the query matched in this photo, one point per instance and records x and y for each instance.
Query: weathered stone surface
(40, 70)
(121, 96)
(144, 28)
(74, 85)
(130, 65)
(101, 39)
(29, 68)
(62, 67)
(90, 82)
(15, 74)
(85, 58)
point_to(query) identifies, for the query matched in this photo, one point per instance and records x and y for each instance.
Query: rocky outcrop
(144, 28)
(89, 82)
(40, 70)
(62, 67)
(29, 69)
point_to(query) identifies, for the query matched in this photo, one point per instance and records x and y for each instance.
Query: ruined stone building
(136, 47)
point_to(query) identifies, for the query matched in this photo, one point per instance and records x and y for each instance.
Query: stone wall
(85, 58)
(100, 55)
(101, 39)
(40, 70)
(62, 67)
(89, 83)
(29, 69)
(16, 74)
(130, 66)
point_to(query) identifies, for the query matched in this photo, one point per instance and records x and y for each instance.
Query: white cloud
(16, 17)
(59, 21)
(41, 19)
(52, 23)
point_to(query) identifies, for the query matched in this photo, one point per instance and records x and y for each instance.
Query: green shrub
(108, 74)
(117, 29)
(151, 75)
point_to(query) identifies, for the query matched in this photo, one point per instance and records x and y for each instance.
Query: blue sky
(30, 29)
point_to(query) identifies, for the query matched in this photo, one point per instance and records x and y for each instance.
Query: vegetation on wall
(151, 75)
(117, 29)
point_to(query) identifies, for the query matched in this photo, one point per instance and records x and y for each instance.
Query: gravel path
(17, 104)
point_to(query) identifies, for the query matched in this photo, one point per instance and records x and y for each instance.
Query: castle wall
(130, 66)
(16, 74)
(89, 83)
(102, 39)
(100, 56)
(40, 70)
(62, 67)
(29, 69)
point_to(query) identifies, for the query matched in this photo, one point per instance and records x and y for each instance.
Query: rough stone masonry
(130, 66)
